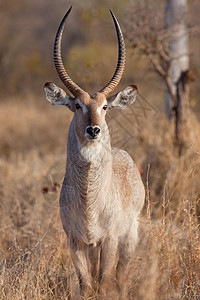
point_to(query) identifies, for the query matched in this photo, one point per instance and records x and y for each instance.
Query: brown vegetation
(34, 259)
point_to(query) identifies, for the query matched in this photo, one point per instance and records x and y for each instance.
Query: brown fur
(102, 192)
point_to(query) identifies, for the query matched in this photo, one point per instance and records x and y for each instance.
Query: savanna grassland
(34, 256)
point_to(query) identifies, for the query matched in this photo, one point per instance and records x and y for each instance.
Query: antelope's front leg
(94, 263)
(81, 263)
(107, 266)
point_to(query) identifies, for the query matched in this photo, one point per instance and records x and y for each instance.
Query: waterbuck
(102, 192)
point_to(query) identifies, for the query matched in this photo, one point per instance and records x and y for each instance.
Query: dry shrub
(34, 257)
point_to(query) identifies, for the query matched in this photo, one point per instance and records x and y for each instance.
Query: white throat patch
(90, 152)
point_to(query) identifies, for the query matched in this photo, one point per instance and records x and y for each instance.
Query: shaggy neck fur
(89, 166)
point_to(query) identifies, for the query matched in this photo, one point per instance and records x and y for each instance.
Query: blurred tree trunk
(179, 76)
(183, 131)
(178, 46)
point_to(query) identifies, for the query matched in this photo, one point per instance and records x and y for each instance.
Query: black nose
(93, 131)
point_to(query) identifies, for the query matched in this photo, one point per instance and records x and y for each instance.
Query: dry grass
(34, 258)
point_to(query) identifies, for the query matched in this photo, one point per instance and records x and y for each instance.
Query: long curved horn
(68, 82)
(121, 60)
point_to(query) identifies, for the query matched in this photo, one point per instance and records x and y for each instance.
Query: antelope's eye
(78, 106)
(105, 107)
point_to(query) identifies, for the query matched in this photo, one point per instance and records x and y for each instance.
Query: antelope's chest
(95, 220)
(86, 210)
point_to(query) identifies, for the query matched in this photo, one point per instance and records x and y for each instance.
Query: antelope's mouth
(93, 139)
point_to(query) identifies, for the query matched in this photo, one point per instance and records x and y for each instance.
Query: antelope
(102, 192)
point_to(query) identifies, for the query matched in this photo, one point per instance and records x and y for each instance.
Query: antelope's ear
(124, 98)
(57, 96)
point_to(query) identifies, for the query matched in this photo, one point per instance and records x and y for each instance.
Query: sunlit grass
(34, 257)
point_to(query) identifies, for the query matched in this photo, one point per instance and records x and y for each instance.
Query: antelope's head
(89, 110)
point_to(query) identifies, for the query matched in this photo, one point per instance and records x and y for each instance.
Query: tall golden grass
(34, 257)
